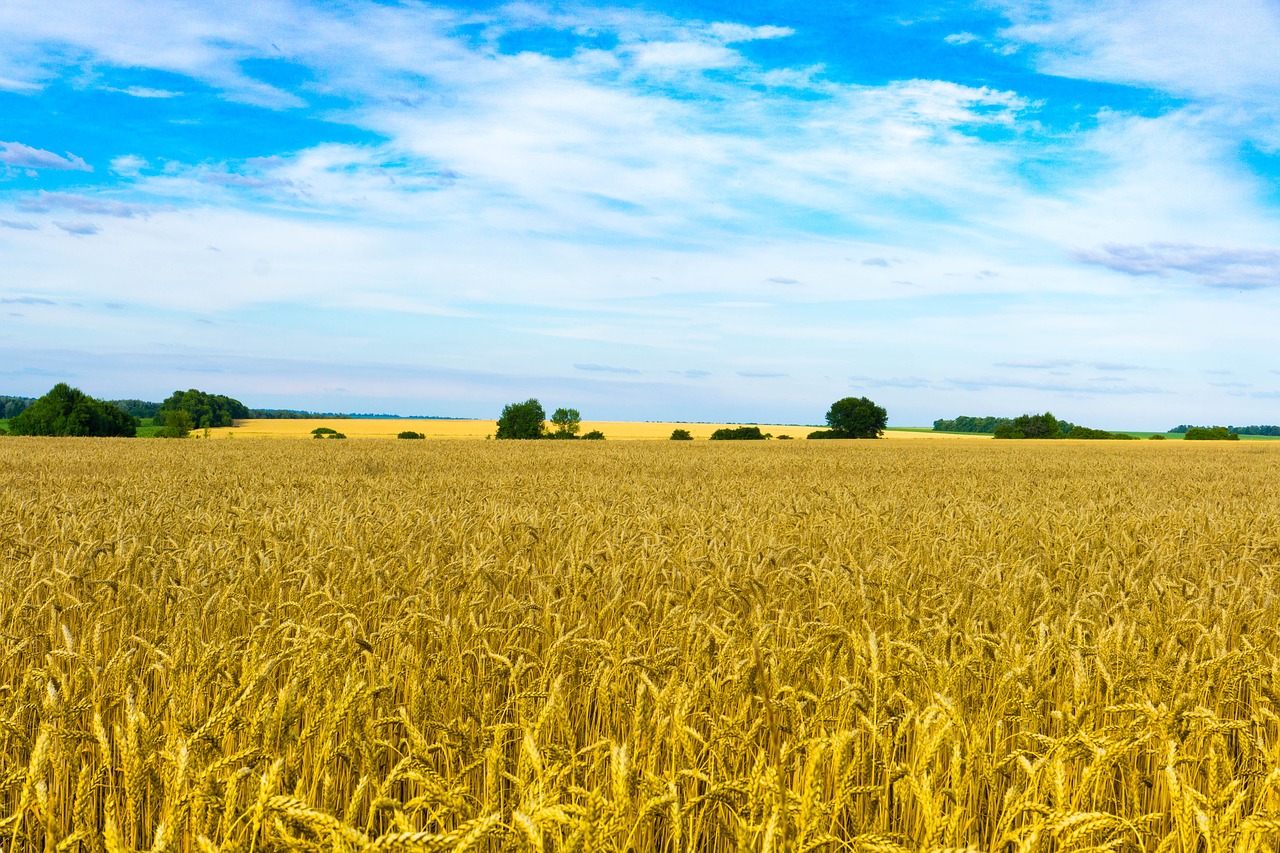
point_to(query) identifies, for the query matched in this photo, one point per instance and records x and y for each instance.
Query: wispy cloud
(25, 300)
(761, 374)
(605, 368)
(21, 156)
(46, 202)
(79, 229)
(1211, 266)
(19, 225)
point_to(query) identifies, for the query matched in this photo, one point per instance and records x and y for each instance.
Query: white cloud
(128, 165)
(731, 32)
(1217, 51)
(960, 38)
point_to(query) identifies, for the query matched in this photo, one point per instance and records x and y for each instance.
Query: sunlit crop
(258, 646)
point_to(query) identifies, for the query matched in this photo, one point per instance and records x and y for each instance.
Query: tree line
(1257, 429)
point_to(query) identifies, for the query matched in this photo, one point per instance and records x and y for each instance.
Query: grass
(905, 645)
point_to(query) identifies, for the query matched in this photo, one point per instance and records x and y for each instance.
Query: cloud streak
(1211, 266)
(21, 156)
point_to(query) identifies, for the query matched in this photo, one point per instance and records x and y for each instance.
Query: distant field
(614, 430)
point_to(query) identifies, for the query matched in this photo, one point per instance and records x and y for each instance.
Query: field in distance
(613, 430)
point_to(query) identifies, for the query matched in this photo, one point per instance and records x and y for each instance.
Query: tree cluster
(969, 423)
(69, 411)
(1217, 433)
(204, 409)
(1257, 429)
(527, 420)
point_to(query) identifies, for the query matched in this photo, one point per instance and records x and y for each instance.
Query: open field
(388, 428)
(911, 645)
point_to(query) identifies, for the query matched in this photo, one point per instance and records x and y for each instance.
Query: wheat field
(355, 428)
(262, 646)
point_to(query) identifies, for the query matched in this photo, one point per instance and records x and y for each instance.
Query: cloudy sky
(691, 209)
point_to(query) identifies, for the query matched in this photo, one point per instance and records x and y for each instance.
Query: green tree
(175, 423)
(522, 420)
(69, 411)
(1038, 426)
(681, 435)
(856, 417)
(594, 435)
(567, 422)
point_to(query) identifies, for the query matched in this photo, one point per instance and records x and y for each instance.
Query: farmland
(917, 644)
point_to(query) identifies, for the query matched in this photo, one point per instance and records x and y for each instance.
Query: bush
(594, 435)
(174, 423)
(1156, 437)
(1099, 434)
(823, 433)
(336, 435)
(1218, 433)
(411, 434)
(681, 435)
(319, 431)
(744, 433)
(784, 437)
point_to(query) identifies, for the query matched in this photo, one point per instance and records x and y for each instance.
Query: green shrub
(681, 435)
(743, 433)
(594, 435)
(411, 434)
(1218, 433)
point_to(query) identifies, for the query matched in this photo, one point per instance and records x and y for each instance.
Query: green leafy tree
(856, 417)
(69, 411)
(681, 435)
(522, 420)
(175, 423)
(567, 422)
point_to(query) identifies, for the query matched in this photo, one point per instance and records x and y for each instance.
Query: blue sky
(685, 210)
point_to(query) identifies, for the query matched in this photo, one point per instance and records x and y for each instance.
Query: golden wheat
(832, 646)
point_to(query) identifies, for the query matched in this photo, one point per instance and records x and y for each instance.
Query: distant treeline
(969, 423)
(11, 407)
(1264, 429)
(990, 424)
(1025, 426)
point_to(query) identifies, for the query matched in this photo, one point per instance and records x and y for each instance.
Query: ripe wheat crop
(264, 646)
